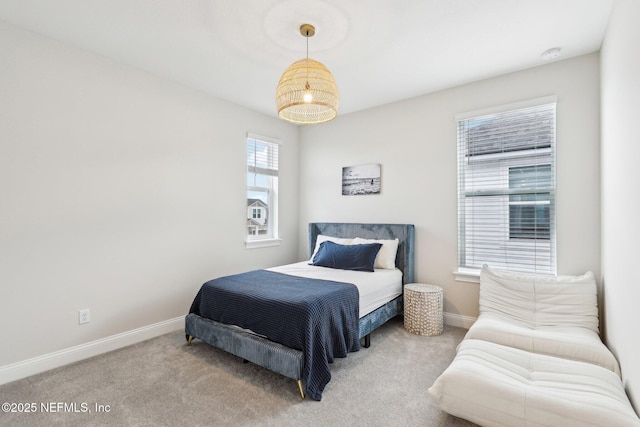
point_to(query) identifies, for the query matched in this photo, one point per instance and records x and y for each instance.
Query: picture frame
(361, 180)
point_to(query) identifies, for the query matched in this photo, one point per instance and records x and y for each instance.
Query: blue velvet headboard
(404, 232)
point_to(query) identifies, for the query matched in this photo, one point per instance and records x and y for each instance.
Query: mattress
(375, 289)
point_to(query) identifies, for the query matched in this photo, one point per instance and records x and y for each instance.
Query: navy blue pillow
(346, 257)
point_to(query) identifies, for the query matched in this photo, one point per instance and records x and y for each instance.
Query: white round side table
(423, 309)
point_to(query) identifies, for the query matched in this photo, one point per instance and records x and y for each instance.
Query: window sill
(265, 243)
(470, 275)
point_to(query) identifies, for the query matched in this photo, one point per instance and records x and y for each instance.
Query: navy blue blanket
(318, 317)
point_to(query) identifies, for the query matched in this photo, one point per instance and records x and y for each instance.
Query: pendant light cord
(307, 67)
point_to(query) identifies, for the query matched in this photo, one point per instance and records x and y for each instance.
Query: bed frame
(287, 361)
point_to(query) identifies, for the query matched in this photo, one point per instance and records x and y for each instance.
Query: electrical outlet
(84, 316)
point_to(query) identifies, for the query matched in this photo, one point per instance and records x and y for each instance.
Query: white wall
(120, 192)
(415, 141)
(620, 177)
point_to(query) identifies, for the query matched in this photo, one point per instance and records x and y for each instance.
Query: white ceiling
(379, 51)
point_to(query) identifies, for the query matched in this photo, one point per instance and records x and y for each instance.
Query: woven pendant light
(307, 92)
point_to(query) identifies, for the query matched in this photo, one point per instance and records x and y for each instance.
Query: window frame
(469, 271)
(271, 188)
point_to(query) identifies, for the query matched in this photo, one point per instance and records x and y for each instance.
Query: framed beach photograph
(363, 179)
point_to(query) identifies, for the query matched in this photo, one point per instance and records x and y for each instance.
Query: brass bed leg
(189, 340)
(299, 382)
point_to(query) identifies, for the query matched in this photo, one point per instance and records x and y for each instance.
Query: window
(506, 188)
(262, 190)
(529, 212)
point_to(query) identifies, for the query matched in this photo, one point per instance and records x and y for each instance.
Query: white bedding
(376, 289)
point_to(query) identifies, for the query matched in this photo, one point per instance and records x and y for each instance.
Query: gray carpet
(164, 382)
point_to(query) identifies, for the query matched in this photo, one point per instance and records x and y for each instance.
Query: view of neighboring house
(507, 189)
(256, 217)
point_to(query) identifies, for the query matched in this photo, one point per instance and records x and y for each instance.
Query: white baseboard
(458, 320)
(35, 365)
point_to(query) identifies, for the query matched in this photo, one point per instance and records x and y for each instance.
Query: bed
(295, 359)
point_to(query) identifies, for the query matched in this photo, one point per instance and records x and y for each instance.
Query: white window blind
(262, 188)
(506, 189)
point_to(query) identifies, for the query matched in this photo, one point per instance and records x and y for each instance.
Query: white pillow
(386, 257)
(322, 238)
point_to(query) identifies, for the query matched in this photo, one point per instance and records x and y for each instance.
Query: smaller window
(262, 188)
